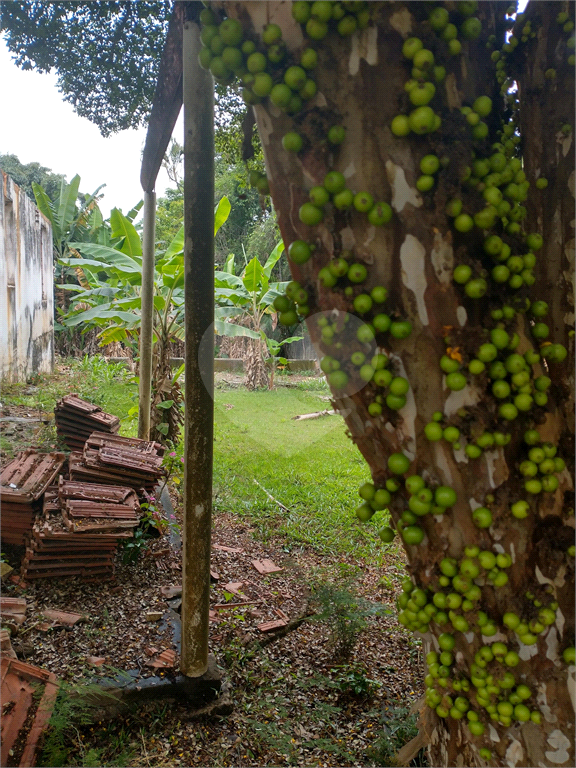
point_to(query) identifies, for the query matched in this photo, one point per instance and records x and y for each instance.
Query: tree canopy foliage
(26, 175)
(106, 54)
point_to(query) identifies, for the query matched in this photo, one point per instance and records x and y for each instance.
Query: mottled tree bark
(361, 86)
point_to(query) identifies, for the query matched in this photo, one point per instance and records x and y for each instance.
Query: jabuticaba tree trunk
(360, 80)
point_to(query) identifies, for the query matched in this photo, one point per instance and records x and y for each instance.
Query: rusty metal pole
(147, 316)
(198, 89)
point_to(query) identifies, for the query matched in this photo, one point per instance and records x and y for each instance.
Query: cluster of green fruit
(424, 500)
(260, 65)
(375, 498)
(292, 305)
(435, 431)
(526, 32)
(527, 631)
(489, 684)
(317, 18)
(425, 72)
(333, 189)
(514, 383)
(539, 470)
(363, 364)
(455, 599)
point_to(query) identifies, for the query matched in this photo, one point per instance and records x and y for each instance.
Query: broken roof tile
(270, 626)
(266, 566)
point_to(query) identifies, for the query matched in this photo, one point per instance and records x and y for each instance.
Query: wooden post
(147, 316)
(198, 91)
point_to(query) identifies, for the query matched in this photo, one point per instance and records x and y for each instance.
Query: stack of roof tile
(79, 530)
(118, 460)
(76, 419)
(22, 483)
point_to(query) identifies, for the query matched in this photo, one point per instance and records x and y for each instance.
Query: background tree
(424, 259)
(25, 175)
(106, 54)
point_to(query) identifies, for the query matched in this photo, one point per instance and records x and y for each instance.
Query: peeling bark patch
(491, 457)
(452, 95)
(442, 258)
(402, 192)
(571, 682)
(442, 465)
(412, 254)
(319, 100)
(456, 400)
(560, 622)
(349, 171)
(559, 581)
(199, 510)
(348, 239)
(408, 413)
(514, 753)
(401, 21)
(527, 651)
(265, 127)
(493, 733)
(543, 704)
(552, 645)
(559, 742)
(364, 46)
(564, 141)
(461, 316)
(370, 235)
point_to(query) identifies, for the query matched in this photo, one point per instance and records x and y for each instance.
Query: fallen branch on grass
(282, 507)
(315, 415)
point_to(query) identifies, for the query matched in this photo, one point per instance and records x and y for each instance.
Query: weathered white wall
(26, 286)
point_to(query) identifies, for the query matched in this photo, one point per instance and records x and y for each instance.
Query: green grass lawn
(310, 466)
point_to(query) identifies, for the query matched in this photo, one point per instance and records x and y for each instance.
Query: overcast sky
(37, 126)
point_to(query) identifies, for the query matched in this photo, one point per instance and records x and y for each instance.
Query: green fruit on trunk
(412, 535)
(357, 273)
(310, 215)
(422, 120)
(299, 252)
(343, 200)
(334, 182)
(398, 463)
(363, 202)
(292, 142)
(380, 214)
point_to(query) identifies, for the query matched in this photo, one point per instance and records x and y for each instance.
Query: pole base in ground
(205, 695)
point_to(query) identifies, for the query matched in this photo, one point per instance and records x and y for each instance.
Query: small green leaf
(221, 213)
(165, 404)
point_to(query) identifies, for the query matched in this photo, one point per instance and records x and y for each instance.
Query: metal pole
(198, 90)
(147, 315)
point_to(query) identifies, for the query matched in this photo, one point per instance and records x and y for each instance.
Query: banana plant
(70, 221)
(248, 298)
(111, 302)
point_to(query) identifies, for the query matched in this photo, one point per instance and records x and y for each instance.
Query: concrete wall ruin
(26, 286)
